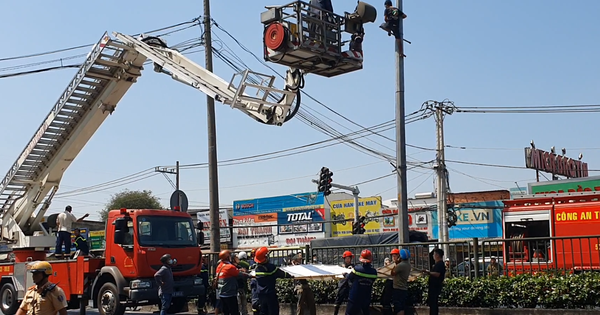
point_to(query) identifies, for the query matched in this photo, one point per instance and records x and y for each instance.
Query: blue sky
(475, 53)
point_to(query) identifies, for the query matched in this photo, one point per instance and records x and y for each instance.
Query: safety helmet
(253, 252)
(347, 254)
(395, 251)
(165, 259)
(40, 266)
(243, 255)
(366, 256)
(225, 255)
(404, 254)
(261, 255)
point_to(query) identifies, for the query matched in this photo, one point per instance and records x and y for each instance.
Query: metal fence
(466, 258)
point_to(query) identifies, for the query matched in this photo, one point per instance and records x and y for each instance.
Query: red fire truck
(135, 241)
(552, 231)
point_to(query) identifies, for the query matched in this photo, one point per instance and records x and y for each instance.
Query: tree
(131, 200)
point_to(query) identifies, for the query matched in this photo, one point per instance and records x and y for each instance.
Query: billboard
(344, 209)
(478, 219)
(293, 220)
(566, 186)
(225, 233)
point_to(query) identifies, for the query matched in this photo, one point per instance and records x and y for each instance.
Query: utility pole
(213, 174)
(174, 171)
(441, 109)
(403, 236)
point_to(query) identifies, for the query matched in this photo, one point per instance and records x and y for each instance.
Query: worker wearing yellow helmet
(45, 297)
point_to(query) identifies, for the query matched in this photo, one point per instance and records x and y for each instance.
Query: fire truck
(297, 35)
(552, 232)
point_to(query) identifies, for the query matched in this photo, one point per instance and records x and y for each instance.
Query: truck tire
(177, 305)
(8, 299)
(109, 301)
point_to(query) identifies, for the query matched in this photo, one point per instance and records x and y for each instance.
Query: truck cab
(136, 239)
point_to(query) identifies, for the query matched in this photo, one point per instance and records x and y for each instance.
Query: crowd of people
(234, 271)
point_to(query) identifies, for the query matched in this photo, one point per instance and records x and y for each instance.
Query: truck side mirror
(200, 237)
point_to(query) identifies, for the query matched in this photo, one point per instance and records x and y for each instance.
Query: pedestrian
(241, 260)
(201, 302)
(361, 278)
(401, 272)
(391, 25)
(306, 296)
(64, 225)
(343, 285)
(45, 297)
(493, 269)
(165, 281)
(436, 281)
(266, 276)
(387, 295)
(81, 243)
(227, 288)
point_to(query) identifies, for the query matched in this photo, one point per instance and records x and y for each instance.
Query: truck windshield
(166, 231)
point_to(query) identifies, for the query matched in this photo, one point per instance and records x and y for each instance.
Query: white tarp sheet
(315, 272)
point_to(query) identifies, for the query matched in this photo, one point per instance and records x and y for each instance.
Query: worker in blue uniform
(266, 276)
(361, 278)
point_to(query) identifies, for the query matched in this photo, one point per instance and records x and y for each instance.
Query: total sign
(291, 233)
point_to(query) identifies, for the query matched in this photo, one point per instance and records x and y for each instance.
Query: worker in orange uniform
(343, 285)
(362, 278)
(266, 276)
(44, 298)
(227, 284)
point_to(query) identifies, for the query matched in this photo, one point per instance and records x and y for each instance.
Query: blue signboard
(478, 219)
(287, 203)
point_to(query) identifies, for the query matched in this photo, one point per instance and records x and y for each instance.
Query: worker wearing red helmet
(266, 276)
(227, 284)
(361, 278)
(400, 272)
(343, 285)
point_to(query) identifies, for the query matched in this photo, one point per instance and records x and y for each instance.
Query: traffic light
(358, 227)
(325, 181)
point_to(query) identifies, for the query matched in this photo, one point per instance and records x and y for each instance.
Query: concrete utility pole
(213, 174)
(403, 236)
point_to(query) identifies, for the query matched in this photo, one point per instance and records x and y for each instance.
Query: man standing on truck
(81, 243)
(64, 224)
(164, 279)
(44, 298)
(343, 286)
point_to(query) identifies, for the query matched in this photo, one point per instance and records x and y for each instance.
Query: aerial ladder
(298, 35)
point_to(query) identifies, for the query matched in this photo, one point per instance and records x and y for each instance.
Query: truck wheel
(109, 302)
(177, 305)
(8, 299)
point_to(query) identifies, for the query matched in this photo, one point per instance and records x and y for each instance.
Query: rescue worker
(254, 296)
(392, 17)
(201, 302)
(64, 225)
(266, 276)
(306, 297)
(81, 243)
(387, 294)
(401, 272)
(361, 278)
(227, 287)
(244, 266)
(45, 297)
(166, 283)
(343, 285)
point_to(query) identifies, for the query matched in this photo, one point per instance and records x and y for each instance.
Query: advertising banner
(97, 240)
(479, 219)
(263, 228)
(566, 186)
(204, 216)
(344, 209)
(283, 211)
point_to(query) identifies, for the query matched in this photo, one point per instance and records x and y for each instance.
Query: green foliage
(545, 290)
(131, 200)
